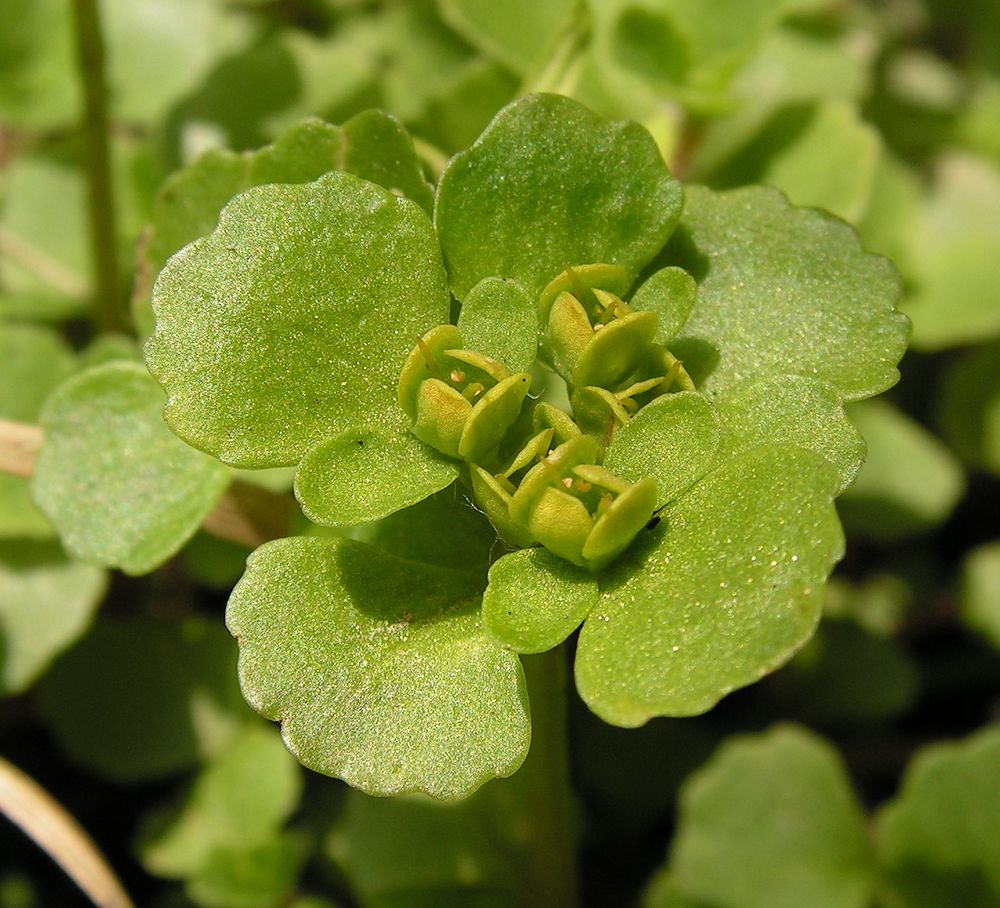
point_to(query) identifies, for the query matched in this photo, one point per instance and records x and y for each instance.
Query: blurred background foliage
(867, 771)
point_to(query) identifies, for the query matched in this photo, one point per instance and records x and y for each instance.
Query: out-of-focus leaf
(46, 603)
(239, 801)
(968, 406)
(139, 699)
(121, 489)
(956, 248)
(771, 822)
(517, 33)
(33, 361)
(980, 600)
(910, 481)
(938, 839)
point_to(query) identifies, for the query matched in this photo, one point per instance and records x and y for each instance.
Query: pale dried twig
(30, 807)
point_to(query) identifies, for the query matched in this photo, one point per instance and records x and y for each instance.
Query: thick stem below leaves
(550, 877)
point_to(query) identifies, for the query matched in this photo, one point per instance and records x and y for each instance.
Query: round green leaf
(372, 145)
(724, 590)
(771, 822)
(794, 410)
(550, 184)
(939, 840)
(366, 474)
(121, 489)
(46, 603)
(500, 319)
(784, 291)
(674, 439)
(377, 668)
(671, 294)
(140, 699)
(290, 322)
(887, 502)
(535, 600)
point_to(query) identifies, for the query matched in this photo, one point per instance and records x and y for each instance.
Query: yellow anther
(472, 391)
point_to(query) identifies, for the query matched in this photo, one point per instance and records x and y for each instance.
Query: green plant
(539, 405)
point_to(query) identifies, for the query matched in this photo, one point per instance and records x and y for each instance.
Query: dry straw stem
(44, 820)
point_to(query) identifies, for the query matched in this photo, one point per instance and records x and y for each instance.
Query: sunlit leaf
(771, 275)
(363, 475)
(499, 319)
(674, 440)
(314, 328)
(794, 410)
(724, 590)
(535, 600)
(550, 184)
(377, 668)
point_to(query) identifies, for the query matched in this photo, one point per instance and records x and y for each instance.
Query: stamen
(429, 359)
(457, 376)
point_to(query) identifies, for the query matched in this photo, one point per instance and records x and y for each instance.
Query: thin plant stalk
(110, 313)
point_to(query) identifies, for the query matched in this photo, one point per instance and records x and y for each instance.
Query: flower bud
(597, 340)
(460, 402)
(579, 510)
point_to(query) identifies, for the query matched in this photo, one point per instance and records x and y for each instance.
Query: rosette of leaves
(392, 663)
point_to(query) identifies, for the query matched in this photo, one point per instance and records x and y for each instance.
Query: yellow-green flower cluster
(536, 471)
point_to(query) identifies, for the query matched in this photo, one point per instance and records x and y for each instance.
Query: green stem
(550, 879)
(560, 68)
(110, 312)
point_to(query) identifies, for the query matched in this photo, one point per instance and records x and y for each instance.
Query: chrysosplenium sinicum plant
(642, 392)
